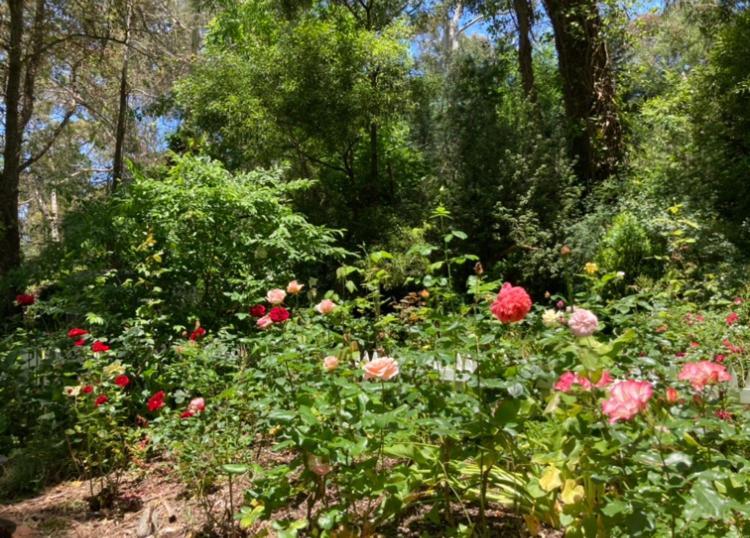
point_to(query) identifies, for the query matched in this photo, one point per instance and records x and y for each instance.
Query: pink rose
(330, 363)
(512, 304)
(702, 373)
(732, 318)
(325, 307)
(627, 399)
(264, 322)
(383, 368)
(605, 380)
(567, 380)
(294, 287)
(276, 296)
(196, 405)
(583, 322)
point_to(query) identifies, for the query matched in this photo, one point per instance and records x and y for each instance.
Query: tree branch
(59, 129)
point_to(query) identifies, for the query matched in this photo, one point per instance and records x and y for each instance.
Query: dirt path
(152, 504)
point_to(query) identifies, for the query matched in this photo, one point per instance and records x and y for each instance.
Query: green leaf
(235, 468)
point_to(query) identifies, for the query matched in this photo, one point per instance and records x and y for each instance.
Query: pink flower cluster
(627, 399)
(568, 380)
(512, 304)
(702, 373)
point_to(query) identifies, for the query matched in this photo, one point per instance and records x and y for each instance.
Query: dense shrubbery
(618, 414)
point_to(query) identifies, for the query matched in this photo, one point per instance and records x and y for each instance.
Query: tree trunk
(524, 16)
(451, 33)
(54, 217)
(122, 111)
(10, 243)
(588, 88)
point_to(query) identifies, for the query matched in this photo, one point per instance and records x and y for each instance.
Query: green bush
(626, 246)
(169, 246)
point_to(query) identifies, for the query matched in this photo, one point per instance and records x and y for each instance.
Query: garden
(360, 269)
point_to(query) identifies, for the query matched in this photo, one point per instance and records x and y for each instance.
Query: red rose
(156, 401)
(200, 332)
(24, 299)
(99, 347)
(101, 399)
(258, 311)
(77, 333)
(279, 314)
(512, 304)
(88, 389)
(122, 381)
(79, 343)
(186, 414)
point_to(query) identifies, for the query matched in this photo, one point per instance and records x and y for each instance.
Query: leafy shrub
(173, 244)
(626, 246)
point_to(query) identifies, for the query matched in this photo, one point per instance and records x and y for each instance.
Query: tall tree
(26, 58)
(524, 13)
(10, 242)
(588, 88)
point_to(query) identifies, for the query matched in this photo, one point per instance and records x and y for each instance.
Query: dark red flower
(279, 314)
(156, 401)
(88, 389)
(719, 358)
(723, 414)
(24, 299)
(122, 381)
(99, 347)
(80, 342)
(199, 332)
(732, 318)
(258, 311)
(186, 414)
(101, 399)
(77, 333)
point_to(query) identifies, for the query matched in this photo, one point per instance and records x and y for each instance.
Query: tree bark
(122, 111)
(10, 243)
(588, 88)
(524, 17)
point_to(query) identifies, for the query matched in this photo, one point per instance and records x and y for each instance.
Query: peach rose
(383, 368)
(325, 307)
(330, 363)
(294, 287)
(275, 296)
